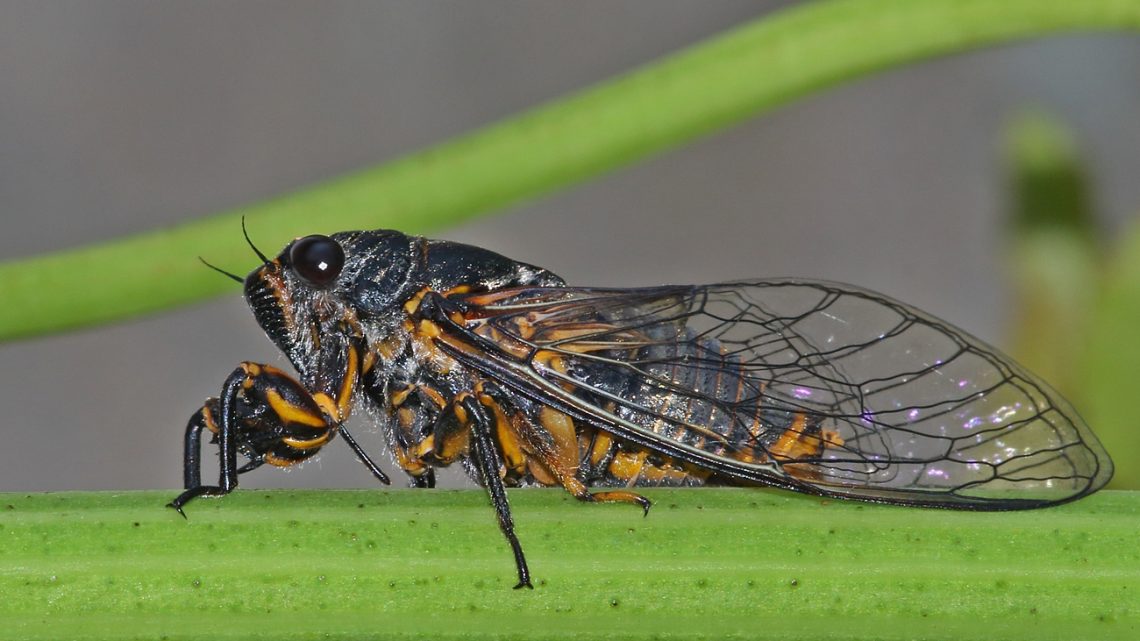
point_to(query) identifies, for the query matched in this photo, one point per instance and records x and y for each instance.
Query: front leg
(272, 418)
(205, 418)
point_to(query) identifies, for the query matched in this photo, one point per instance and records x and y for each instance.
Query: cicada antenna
(221, 271)
(257, 251)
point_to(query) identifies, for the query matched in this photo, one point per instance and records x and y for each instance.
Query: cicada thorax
(422, 392)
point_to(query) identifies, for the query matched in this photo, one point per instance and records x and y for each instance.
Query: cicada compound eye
(317, 259)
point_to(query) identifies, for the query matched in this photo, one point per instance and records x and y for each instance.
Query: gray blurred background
(118, 117)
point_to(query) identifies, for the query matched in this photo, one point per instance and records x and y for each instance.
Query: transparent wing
(813, 386)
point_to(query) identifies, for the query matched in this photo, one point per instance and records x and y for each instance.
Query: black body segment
(467, 356)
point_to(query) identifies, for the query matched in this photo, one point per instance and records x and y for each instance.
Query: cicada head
(319, 285)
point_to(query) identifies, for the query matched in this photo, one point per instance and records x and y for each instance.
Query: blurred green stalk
(1054, 258)
(746, 71)
(1077, 309)
(705, 563)
(1109, 366)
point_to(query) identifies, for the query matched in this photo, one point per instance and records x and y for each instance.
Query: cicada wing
(815, 386)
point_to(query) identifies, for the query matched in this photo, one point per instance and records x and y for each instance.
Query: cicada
(466, 356)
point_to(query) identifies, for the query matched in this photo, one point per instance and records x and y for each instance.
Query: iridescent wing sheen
(813, 386)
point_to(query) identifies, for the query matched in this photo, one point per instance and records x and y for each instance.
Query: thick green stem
(1107, 367)
(712, 85)
(707, 563)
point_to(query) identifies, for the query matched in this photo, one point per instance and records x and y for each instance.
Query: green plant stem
(1078, 301)
(706, 563)
(1107, 367)
(1053, 253)
(712, 85)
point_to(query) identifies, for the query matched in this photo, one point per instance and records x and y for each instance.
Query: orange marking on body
(507, 342)
(809, 471)
(451, 448)
(423, 448)
(448, 446)
(652, 474)
(307, 444)
(406, 417)
(832, 438)
(387, 348)
(461, 412)
(553, 456)
(577, 488)
(620, 496)
(290, 413)
(252, 371)
(552, 360)
(525, 328)
(413, 303)
(514, 459)
(602, 443)
(271, 274)
(561, 428)
(369, 362)
(542, 474)
(796, 443)
(208, 419)
(436, 397)
(279, 462)
(428, 329)
(746, 455)
(441, 361)
(490, 298)
(425, 335)
(627, 465)
(344, 400)
(328, 406)
(458, 289)
(587, 337)
(408, 463)
(397, 398)
(675, 476)
(272, 371)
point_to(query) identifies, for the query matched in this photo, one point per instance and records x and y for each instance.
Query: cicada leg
(552, 444)
(270, 417)
(365, 459)
(488, 462)
(227, 445)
